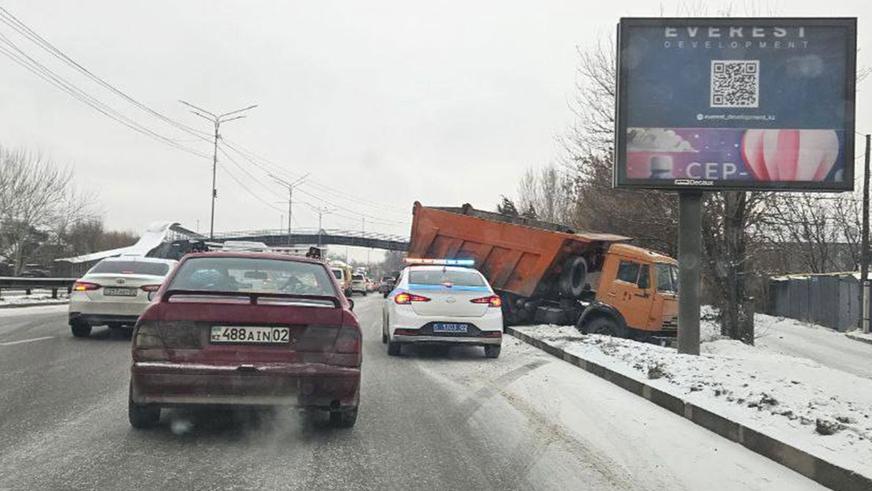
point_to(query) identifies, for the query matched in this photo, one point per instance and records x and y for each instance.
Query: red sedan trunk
(246, 349)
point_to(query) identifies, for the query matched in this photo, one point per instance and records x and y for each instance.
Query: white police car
(442, 301)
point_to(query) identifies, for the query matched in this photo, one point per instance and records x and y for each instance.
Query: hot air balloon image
(790, 155)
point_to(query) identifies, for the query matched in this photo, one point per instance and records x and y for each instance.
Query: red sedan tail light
(147, 336)
(150, 288)
(492, 301)
(348, 340)
(85, 286)
(407, 298)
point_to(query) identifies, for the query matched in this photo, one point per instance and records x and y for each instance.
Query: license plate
(250, 334)
(119, 292)
(449, 327)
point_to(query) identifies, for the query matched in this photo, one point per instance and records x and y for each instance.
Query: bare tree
(36, 198)
(547, 194)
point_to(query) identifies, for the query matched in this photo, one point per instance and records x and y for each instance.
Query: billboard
(736, 103)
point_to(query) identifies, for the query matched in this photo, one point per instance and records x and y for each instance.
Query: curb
(39, 304)
(855, 337)
(810, 466)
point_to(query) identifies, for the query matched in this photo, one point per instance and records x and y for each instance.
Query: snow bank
(818, 409)
(35, 298)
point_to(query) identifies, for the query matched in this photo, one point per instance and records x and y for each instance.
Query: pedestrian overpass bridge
(162, 239)
(313, 236)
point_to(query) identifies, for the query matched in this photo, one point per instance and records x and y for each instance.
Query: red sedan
(247, 329)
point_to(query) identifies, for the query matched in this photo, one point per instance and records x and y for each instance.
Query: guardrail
(30, 284)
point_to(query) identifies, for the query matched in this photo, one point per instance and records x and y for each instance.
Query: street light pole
(216, 121)
(321, 212)
(290, 186)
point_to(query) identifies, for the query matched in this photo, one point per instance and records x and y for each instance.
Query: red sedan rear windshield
(239, 274)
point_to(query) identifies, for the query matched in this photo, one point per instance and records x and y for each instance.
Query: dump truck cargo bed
(518, 255)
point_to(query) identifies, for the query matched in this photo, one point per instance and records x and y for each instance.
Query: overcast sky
(390, 101)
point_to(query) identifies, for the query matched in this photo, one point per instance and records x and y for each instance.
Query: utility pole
(321, 211)
(290, 186)
(216, 121)
(864, 246)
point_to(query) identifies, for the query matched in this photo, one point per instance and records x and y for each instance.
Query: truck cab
(637, 295)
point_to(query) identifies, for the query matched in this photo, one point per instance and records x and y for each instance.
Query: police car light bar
(441, 262)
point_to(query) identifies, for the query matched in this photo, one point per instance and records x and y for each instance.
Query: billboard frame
(619, 170)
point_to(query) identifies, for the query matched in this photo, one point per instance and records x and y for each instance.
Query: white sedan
(115, 292)
(435, 303)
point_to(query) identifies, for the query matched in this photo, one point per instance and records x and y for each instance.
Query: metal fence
(829, 300)
(27, 285)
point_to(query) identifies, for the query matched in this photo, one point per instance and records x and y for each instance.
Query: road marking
(22, 341)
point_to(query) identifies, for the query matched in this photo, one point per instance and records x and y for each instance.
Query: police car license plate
(444, 327)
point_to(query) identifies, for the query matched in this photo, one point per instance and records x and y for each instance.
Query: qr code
(735, 83)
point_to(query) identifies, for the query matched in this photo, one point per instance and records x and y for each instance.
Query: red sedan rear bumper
(312, 385)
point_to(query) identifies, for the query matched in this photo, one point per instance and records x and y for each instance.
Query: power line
(266, 164)
(271, 169)
(40, 70)
(248, 190)
(13, 22)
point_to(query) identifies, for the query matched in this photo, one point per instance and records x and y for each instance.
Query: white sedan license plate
(250, 334)
(449, 327)
(119, 292)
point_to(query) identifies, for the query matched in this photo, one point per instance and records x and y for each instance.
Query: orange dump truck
(548, 273)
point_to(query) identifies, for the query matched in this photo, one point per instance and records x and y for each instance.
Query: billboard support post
(689, 267)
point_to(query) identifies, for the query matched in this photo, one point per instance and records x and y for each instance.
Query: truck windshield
(667, 278)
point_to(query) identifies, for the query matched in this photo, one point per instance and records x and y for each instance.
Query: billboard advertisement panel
(736, 103)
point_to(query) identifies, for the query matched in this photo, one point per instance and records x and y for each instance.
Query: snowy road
(432, 419)
(825, 346)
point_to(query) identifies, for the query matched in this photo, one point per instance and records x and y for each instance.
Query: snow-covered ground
(19, 298)
(823, 410)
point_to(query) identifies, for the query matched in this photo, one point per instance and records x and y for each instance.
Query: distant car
(214, 337)
(358, 284)
(115, 292)
(441, 304)
(344, 280)
(386, 285)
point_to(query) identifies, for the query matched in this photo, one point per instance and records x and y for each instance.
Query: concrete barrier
(810, 466)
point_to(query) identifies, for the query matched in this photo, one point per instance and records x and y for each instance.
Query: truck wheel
(572, 277)
(606, 326)
(80, 329)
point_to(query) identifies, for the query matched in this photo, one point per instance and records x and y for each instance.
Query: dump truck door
(630, 292)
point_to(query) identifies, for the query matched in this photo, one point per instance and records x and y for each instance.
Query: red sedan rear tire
(343, 419)
(142, 417)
